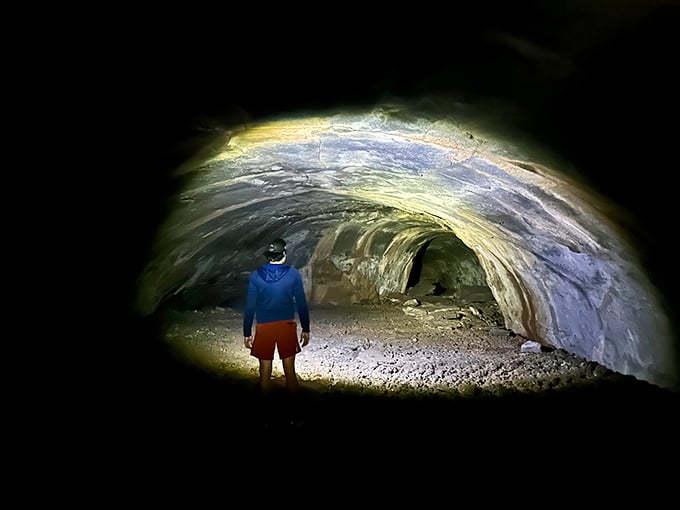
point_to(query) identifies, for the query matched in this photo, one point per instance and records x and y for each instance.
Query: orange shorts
(281, 335)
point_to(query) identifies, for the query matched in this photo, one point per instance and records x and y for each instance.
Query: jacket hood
(272, 273)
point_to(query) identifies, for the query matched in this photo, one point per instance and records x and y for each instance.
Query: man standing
(275, 294)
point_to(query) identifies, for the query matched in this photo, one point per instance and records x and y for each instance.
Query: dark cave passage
(444, 266)
(417, 267)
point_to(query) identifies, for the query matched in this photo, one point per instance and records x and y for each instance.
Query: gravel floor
(430, 349)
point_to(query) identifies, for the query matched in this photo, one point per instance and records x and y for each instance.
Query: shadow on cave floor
(168, 407)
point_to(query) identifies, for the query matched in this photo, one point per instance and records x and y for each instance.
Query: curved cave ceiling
(510, 166)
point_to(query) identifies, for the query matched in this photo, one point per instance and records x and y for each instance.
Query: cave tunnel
(360, 196)
(444, 266)
(436, 177)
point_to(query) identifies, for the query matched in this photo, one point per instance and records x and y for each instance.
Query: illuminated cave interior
(518, 157)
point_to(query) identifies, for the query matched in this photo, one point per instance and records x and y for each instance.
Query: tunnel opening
(445, 267)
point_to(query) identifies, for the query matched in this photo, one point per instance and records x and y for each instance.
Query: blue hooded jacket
(275, 293)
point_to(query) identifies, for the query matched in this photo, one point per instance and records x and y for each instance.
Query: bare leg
(265, 381)
(292, 382)
(293, 387)
(264, 409)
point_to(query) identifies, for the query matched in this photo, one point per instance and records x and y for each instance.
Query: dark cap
(275, 249)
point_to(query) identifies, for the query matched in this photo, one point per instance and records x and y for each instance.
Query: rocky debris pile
(450, 312)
